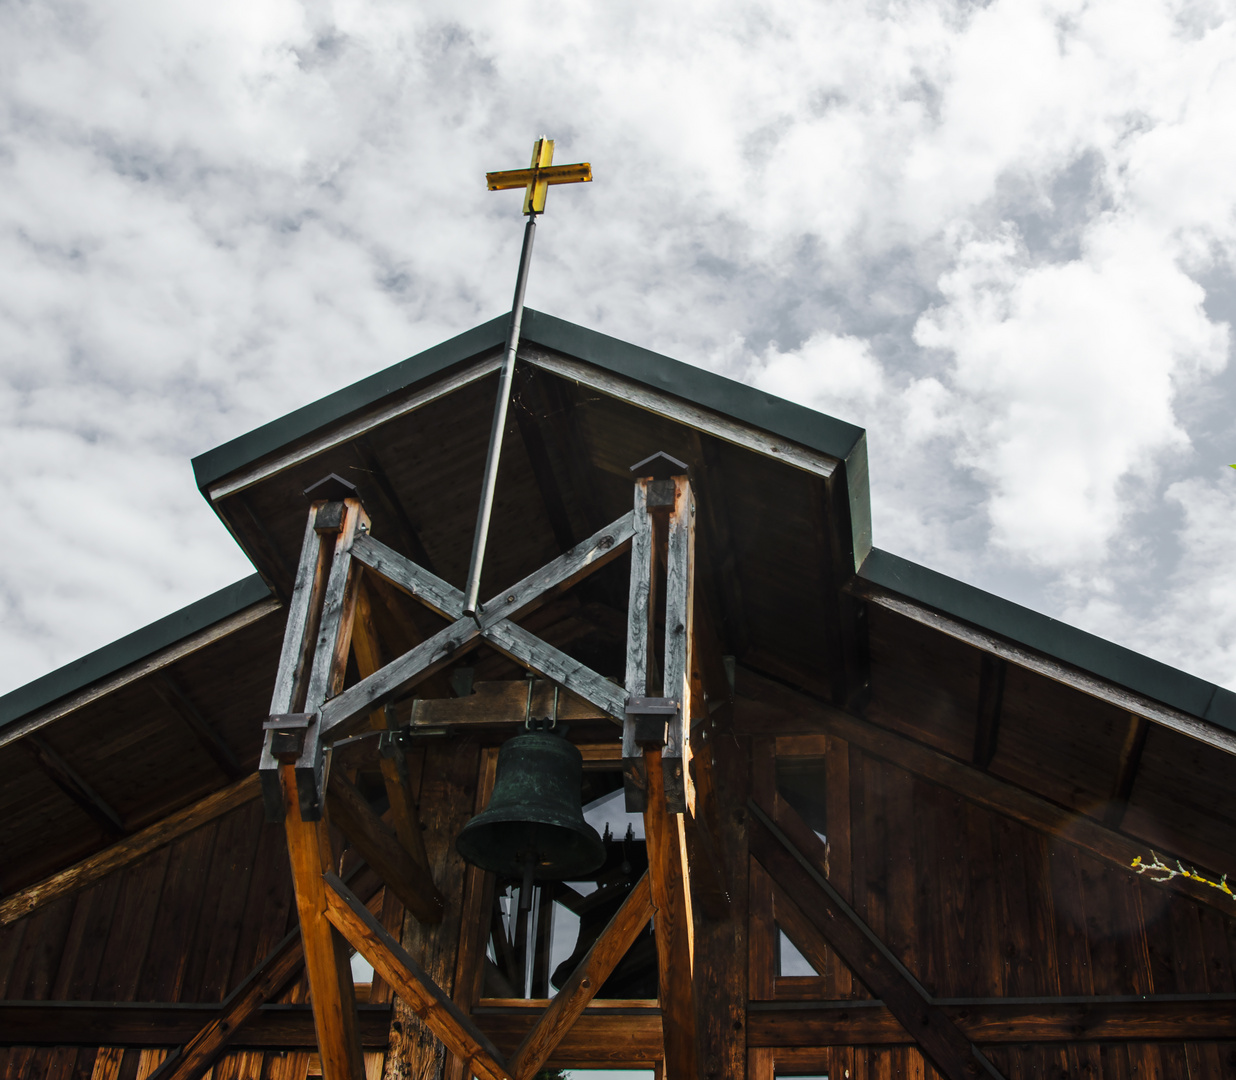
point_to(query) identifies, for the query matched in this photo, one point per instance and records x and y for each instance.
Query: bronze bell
(534, 825)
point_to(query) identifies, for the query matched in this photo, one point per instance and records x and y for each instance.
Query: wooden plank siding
(184, 924)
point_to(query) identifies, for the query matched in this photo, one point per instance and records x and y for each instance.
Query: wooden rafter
(1126, 770)
(68, 780)
(797, 862)
(990, 704)
(174, 696)
(1093, 685)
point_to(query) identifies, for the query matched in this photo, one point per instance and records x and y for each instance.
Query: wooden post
(679, 638)
(639, 634)
(326, 953)
(673, 924)
(330, 655)
(427, 1000)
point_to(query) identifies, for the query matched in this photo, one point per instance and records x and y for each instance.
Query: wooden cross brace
(319, 626)
(309, 703)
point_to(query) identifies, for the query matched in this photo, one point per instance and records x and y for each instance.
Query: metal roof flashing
(133, 648)
(842, 442)
(1052, 638)
(745, 404)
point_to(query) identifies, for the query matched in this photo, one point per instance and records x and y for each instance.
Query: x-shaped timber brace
(310, 710)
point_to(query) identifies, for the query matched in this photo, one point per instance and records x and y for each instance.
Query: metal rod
(505, 378)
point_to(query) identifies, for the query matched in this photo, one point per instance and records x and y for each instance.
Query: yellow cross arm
(554, 174)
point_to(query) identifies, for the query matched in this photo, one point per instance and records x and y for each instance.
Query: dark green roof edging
(133, 647)
(1056, 639)
(795, 422)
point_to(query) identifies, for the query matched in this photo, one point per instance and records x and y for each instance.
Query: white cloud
(984, 225)
(1069, 372)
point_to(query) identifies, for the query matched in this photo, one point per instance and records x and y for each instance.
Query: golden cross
(539, 175)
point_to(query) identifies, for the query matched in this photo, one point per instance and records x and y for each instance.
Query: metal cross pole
(536, 180)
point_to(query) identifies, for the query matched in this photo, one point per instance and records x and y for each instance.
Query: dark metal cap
(332, 488)
(660, 466)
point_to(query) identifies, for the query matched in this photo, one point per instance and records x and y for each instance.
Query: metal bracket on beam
(292, 739)
(651, 717)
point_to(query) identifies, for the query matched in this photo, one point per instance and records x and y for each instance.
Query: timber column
(656, 749)
(311, 669)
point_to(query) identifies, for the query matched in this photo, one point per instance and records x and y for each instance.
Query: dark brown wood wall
(185, 924)
(977, 905)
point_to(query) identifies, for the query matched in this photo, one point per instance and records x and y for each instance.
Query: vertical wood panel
(1072, 944)
(269, 900)
(447, 790)
(231, 861)
(991, 941)
(902, 873)
(721, 945)
(237, 864)
(131, 927)
(34, 967)
(178, 913)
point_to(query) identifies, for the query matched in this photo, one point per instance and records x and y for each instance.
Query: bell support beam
(675, 927)
(330, 654)
(432, 1007)
(435, 652)
(794, 858)
(587, 978)
(664, 520)
(291, 676)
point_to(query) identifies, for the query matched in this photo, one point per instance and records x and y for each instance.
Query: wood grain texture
(381, 849)
(949, 1050)
(765, 703)
(326, 955)
(428, 1001)
(675, 926)
(128, 850)
(587, 978)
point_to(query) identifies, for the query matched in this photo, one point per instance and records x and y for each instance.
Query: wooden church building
(839, 815)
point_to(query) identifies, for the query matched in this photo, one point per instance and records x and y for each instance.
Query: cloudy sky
(1000, 236)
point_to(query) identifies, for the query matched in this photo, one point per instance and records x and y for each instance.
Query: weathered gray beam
(404, 574)
(679, 609)
(639, 634)
(527, 649)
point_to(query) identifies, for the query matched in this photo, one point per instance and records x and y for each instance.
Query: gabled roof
(788, 575)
